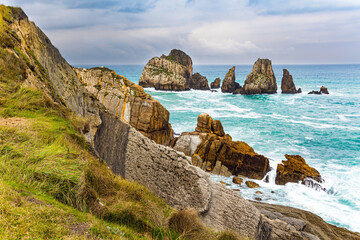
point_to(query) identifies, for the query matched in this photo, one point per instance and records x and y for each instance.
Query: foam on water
(323, 129)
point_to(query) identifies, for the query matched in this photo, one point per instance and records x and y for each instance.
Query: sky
(210, 31)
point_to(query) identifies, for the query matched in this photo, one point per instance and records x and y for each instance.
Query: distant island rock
(261, 79)
(172, 73)
(229, 85)
(287, 83)
(216, 83)
(323, 90)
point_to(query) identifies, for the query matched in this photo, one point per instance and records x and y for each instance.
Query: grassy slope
(51, 185)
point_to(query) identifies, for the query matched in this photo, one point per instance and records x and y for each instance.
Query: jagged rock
(261, 79)
(216, 83)
(229, 85)
(258, 192)
(240, 90)
(237, 180)
(199, 82)
(237, 158)
(295, 169)
(169, 73)
(324, 90)
(287, 83)
(129, 102)
(252, 184)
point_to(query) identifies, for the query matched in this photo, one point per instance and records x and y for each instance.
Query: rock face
(129, 102)
(295, 169)
(199, 82)
(216, 152)
(261, 79)
(216, 83)
(323, 90)
(287, 83)
(169, 73)
(229, 85)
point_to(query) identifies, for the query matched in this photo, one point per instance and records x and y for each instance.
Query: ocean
(323, 129)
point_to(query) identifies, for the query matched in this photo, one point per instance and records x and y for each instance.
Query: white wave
(343, 118)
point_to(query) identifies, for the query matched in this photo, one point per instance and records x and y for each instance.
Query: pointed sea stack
(261, 79)
(287, 83)
(229, 85)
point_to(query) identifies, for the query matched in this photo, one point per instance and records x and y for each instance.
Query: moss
(156, 70)
(98, 86)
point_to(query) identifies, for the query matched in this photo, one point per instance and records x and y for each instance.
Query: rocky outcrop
(281, 222)
(229, 85)
(287, 83)
(261, 79)
(295, 169)
(323, 90)
(169, 73)
(129, 102)
(216, 152)
(199, 82)
(216, 83)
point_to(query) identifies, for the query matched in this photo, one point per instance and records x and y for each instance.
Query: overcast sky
(210, 31)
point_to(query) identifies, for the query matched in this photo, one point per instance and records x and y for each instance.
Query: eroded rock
(252, 184)
(199, 82)
(229, 85)
(216, 83)
(237, 180)
(287, 83)
(261, 79)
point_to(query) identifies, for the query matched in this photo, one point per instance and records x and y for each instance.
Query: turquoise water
(323, 129)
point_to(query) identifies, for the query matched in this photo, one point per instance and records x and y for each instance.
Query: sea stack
(261, 79)
(216, 83)
(229, 85)
(168, 73)
(199, 82)
(287, 83)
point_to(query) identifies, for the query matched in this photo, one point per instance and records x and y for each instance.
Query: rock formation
(129, 102)
(323, 90)
(169, 73)
(199, 82)
(261, 79)
(295, 170)
(216, 83)
(216, 152)
(229, 85)
(287, 83)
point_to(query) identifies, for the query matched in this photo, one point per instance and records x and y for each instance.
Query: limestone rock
(229, 85)
(199, 82)
(261, 79)
(295, 169)
(252, 184)
(204, 123)
(169, 73)
(237, 180)
(287, 83)
(187, 143)
(216, 83)
(129, 102)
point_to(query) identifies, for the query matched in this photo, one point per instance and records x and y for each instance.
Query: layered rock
(199, 82)
(169, 73)
(129, 102)
(216, 152)
(287, 83)
(261, 79)
(323, 90)
(295, 170)
(216, 83)
(229, 85)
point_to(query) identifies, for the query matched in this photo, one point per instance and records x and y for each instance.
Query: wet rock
(213, 91)
(199, 82)
(258, 199)
(287, 83)
(252, 184)
(237, 180)
(168, 73)
(295, 169)
(258, 192)
(229, 85)
(324, 90)
(236, 190)
(222, 182)
(216, 83)
(240, 90)
(261, 79)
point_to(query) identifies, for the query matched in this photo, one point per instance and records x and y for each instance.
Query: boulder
(295, 170)
(287, 83)
(199, 82)
(215, 83)
(237, 180)
(168, 73)
(323, 90)
(252, 184)
(129, 102)
(204, 123)
(261, 79)
(229, 85)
